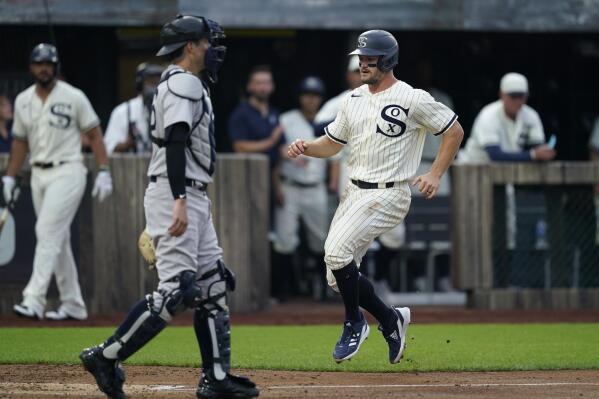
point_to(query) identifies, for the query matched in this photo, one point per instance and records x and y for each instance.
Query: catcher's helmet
(186, 28)
(311, 84)
(378, 43)
(44, 52)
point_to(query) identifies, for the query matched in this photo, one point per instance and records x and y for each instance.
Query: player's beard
(44, 81)
(373, 78)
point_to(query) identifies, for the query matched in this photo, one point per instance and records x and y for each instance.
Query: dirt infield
(45, 381)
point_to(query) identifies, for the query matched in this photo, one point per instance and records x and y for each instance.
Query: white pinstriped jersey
(387, 130)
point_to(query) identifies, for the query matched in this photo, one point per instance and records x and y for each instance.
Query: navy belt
(299, 183)
(367, 185)
(188, 182)
(47, 165)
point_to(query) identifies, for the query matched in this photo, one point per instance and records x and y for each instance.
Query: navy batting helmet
(378, 43)
(44, 52)
(312, 84)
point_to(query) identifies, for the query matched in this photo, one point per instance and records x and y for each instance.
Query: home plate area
(55, 381)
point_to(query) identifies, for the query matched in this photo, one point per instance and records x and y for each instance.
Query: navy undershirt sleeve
(497, 154)
(175, 157)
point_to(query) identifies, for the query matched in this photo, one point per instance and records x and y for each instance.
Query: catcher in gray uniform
(188, 257)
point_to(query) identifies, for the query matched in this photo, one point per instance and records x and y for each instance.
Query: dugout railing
(525, 235)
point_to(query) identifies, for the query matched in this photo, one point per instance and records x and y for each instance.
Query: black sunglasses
(517, 96)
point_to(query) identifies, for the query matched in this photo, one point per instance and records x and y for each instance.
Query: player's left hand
(296, 148)
(102, 185)
(428, 184)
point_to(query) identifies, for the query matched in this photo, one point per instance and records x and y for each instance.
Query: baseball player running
(385, 122)
(177, 209)
(49, 117)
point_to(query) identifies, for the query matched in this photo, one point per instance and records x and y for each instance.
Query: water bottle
(541, 235)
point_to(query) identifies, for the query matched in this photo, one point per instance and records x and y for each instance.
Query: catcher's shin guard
(141, 325)
(213, 332)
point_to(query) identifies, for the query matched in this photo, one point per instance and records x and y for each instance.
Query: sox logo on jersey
(390, 115)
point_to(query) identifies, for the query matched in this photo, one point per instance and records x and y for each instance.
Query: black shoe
(231, 387)
(108, 373)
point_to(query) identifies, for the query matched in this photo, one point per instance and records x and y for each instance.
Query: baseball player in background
(327, 114)
(507, 129)
(385, 122)
(49, 117)
(177, 209)
(129, 123)
(303, 186)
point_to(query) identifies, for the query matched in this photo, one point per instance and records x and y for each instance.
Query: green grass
(442, 347)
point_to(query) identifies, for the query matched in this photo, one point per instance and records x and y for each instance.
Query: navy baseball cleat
(396, 334)
(231, 387)
(108, 373)
(354, 334)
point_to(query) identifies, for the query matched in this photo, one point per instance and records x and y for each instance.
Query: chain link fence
(545, 236)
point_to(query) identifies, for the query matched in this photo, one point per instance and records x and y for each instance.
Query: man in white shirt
(507, 129)
(49, 118)
(127, 129)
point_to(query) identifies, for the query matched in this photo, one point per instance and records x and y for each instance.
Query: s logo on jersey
(62, 115)
(392, 126)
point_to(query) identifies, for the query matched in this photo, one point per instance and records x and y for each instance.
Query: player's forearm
(253, 146)
(97, 145)
(18, 153)
(322, 147)
(450, 144)
(123, 147)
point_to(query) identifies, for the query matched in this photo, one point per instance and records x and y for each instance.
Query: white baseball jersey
(198, 115)
(295, 126)
(386, 130)
(493, 127)
(52, 128)
(131, 115)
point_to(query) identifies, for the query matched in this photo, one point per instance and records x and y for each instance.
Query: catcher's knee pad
(215, 283)
(188, 295)
(141, 325)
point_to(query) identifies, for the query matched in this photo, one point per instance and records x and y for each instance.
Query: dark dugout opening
(561, 68)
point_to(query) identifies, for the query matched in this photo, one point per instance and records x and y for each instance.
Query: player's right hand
(297, 148)
(179, 218)
(10, 189)
(543, 153)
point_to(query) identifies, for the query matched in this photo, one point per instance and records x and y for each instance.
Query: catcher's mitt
(146, 248)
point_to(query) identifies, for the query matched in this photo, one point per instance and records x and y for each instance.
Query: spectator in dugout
(129, 125)
(5, 123)
(507, 129)
(254, 124)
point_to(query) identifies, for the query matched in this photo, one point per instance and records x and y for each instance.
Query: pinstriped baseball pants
(362, 215)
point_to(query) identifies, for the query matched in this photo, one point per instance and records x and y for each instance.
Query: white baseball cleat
(59, 315)
(28, 312)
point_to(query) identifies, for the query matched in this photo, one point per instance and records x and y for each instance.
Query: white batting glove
(102, 185)
(10, 190)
